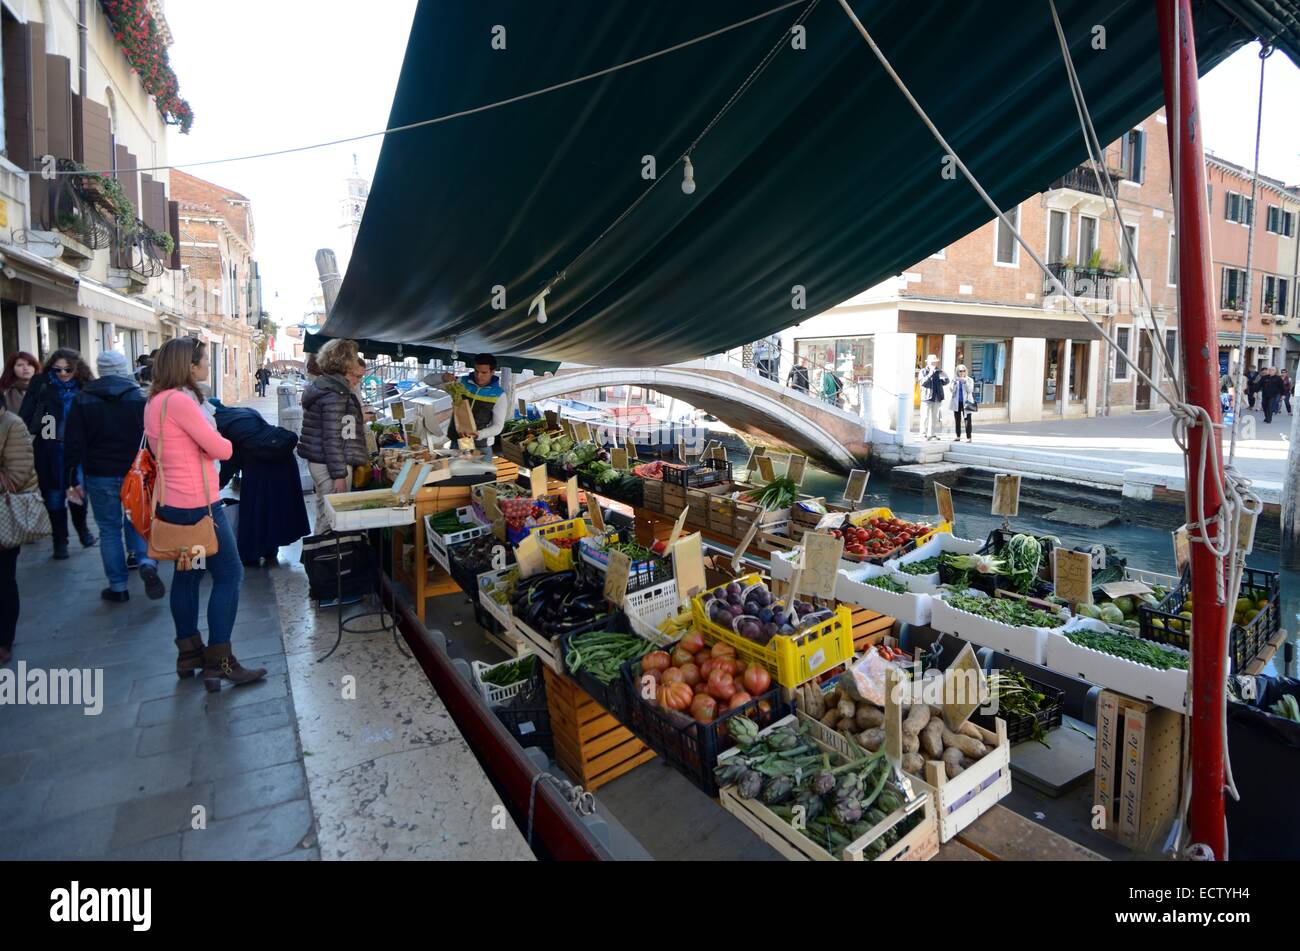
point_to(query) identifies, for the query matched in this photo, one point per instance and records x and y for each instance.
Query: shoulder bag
(137, 489)
(169, 541)
(23, 516)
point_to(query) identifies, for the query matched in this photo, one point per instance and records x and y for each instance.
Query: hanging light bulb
(688, 177)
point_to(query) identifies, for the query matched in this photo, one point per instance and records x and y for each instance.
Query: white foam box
(1164, 688)
(1022, 641)
(911, 607)
(346, 513)
(937, 544)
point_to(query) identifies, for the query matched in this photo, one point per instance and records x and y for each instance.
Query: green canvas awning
(817, 183)
(313, 342)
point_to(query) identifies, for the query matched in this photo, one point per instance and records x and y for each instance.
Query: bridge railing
(795, 371)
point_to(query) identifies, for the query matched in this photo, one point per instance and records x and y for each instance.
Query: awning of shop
(37, 270)
(819, 180)
(314, 342)
(1251, 339)
(131, 313)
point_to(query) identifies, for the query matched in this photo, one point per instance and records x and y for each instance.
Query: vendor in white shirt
(487, 398)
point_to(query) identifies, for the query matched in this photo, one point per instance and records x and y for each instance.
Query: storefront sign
(943, 499)
(1006, 495)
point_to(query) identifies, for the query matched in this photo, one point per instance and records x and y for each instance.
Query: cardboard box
(1138, 774)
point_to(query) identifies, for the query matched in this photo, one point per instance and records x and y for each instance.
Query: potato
(846, 725)
(970, 729)
(917, 718)
(830, 718)
(815, 706)
(914, 763)
(869, 716)
(936, 711)
(847, 708)
(970, 747)
(953, 762)
(911, 743)
(871, 740)
(932, 738)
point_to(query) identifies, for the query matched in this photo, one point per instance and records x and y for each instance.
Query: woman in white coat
(962, 401)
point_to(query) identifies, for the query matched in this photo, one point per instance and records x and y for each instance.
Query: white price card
(856, 487)
(688, 566)
(943, 499)
(1006, 495)
(537, 481)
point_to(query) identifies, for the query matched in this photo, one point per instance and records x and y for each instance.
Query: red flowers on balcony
(137, 33)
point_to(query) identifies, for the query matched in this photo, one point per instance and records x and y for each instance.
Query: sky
(266, 75)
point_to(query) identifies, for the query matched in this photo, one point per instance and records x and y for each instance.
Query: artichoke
(782, 740)
(743, 730)
(729, 773)
(850, 785)
(889, 801)
(750, 785)
(811, 803)
(823, 782)
(778, 789)
(847, 811)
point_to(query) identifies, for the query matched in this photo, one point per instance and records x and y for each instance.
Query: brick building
(223, 301)
(984, 303)
(1274, 302)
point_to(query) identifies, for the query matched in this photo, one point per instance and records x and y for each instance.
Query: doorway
(1053, 369)
(1143, 399)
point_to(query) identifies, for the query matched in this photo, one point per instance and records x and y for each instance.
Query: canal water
(1142, 546)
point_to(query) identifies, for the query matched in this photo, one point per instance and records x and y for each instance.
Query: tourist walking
(1270, 391)
(963, 403)
(1288, 390)
(333, 434)
(832, 388)
(1252, 386)
(19, 371)
(17, 474)
(798, 377)
(932, 380)
(187, 492)
(45, 411)
(105, 428)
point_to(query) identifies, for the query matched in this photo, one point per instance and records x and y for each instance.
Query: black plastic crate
(465, 574)
(640, 576)
(690, 747)
(529, 721)
(635, 496)
(1165, 624)
(611, 696)
(1020, 725)
(989, 583)
(698, 475)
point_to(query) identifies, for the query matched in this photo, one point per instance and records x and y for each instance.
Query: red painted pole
(1200, 349)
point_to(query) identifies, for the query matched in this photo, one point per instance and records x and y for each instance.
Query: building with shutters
(86, 260)
(223, 297)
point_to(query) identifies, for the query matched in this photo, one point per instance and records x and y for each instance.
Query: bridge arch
(743, 400)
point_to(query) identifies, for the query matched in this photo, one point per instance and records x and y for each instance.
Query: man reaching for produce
(487, 400)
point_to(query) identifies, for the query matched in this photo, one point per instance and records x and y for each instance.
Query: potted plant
(1094, 259)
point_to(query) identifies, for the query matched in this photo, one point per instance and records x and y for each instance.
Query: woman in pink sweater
(190, 489)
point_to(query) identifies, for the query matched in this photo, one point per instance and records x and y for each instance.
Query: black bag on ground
(1265, 752)
(339, 561)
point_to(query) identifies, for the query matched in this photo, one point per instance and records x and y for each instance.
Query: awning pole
(1200, 350)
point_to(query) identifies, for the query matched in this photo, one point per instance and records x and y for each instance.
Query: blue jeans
(227, 575)
(105, 494)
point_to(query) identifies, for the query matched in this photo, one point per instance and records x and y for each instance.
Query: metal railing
(1080, 179)
(78, 210)
(797, 372)
(1091, 282)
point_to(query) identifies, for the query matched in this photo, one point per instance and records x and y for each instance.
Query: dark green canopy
(819, 176)
(425, 354)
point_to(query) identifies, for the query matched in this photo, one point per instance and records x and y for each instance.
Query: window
(1279, 221)
(1058, 236)
(1233, 287)
(987, 364)
(1209, 194)
(1122, 344)
(1172, 279)
(1276, 292)
(1007, 251)
(1171, 352)
(1238, 208)
(852, 357)
(1133, 155)
(1128, 253)
(1087, 241)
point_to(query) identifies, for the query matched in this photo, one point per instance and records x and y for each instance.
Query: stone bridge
(281, 367)
(738, 396)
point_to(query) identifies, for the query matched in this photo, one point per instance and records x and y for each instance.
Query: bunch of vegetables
(1013, 693)
(1287, 707)
(959, 568)
(521, 424)
(925, 735)
(449, 523)
(1121, 612)
(702, 682)
(1004, 610)
(610, 481)
(754, 614)
(474, 555)
(635, 553)
(650, 470)
(504, 675)
(582, 454)
(1023, 555)
(504, 588)
(553, 604)
(878, 537)
(885, 583)
(1120, 643)
(832, 805)
(548, 446)
(780, 493)
(926, 566)
(602, 654)
(521, 513)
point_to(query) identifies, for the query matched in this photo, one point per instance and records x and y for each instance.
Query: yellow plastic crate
(791, 659)
(861, 518)
(554, 557)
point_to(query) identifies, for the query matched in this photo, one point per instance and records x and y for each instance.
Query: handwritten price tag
(765, 469)
(943, 499)
(821, 564)
(856, 487)
(1006, 495)
(688, 566)
(1072, 575)
(571, 496)
(618, 458)
(620, 566)
(537, 481)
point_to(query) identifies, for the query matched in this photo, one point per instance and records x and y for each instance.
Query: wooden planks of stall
(590, 745)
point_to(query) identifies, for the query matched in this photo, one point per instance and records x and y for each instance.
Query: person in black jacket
(105, 430)
(1270, 391)
(333, 437)
(271, 510)
(45, 411)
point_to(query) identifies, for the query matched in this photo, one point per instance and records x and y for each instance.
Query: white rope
(1057, 286)
(1096, 156)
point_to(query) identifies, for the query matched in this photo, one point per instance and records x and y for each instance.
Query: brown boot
(219, 663)
(189, 657)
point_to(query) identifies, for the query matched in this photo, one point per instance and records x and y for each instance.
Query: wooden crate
(1138, 773)
(974, 791)
(590, 745)
(507, 469)
(652, 492)
(722, 514)
(918, 845)
(869, 628)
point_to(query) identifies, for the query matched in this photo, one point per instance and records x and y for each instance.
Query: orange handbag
(137, 490)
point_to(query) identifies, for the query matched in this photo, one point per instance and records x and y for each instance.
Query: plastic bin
(1164, 624)
(647, 608)
(611, 696)
(1020, 726)
(698, 475)
(555, 557)
(494, 695)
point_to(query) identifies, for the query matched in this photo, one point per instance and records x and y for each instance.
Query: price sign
(620, 566)
(582, 432)
(894, 695)
(1072, 575)
(796, 469)
(821, 564)
(398, 410)
(688, 566)
(965, 688)
(681, 450)
(943, 499)
(537, 481)
(490, 505)
(630, 448)
(1125, 589)
(1006, 495)
(1182, 548)
(856, 487)
(748, 539)
(597, 516)
(571, 496)
(499, 528)
(552, 419)
(717, 453)
(528, 555)
(1246, 531)
(618, 458)
(523, 408)
(677, 529)
(567, 427)
(765, 470)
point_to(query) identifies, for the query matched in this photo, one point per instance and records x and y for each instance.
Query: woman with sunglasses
(45, 411)
(188, 489)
